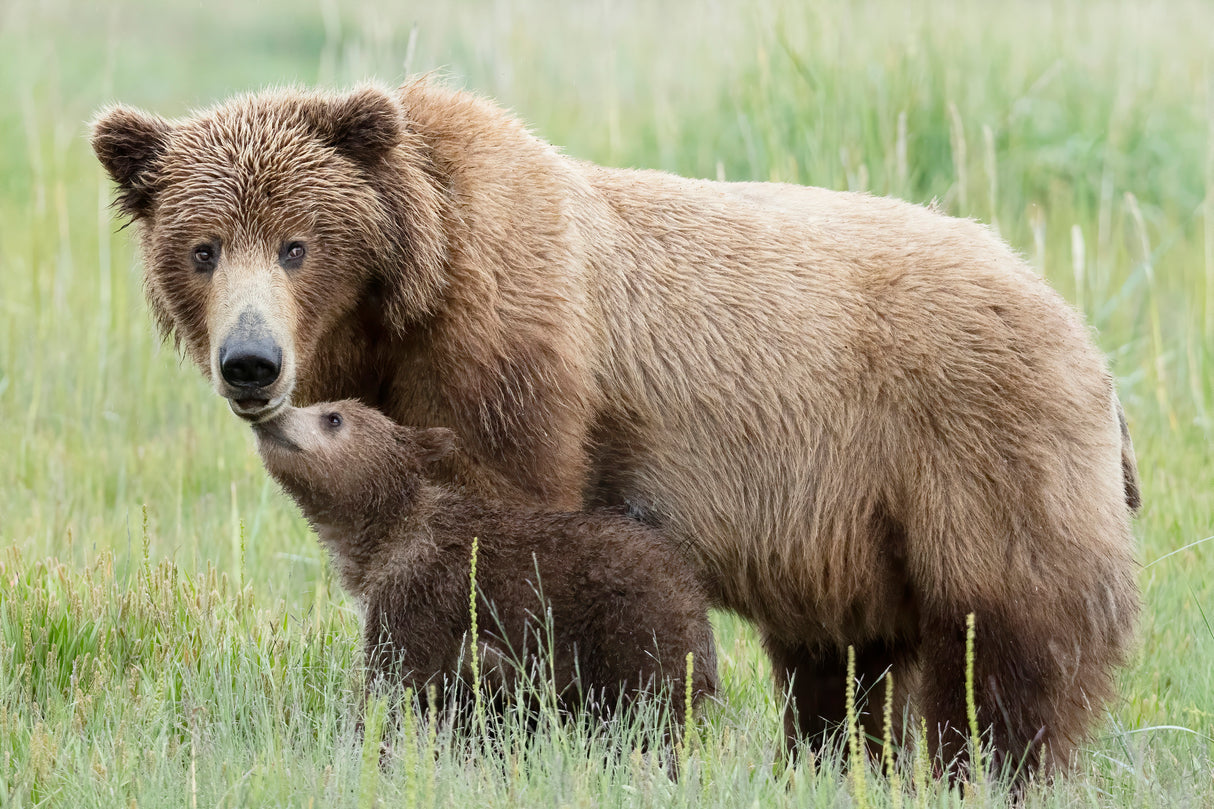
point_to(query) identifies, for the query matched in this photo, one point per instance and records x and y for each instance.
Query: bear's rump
(819, 489)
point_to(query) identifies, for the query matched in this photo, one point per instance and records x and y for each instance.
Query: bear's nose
(250, 358)
(253, 364)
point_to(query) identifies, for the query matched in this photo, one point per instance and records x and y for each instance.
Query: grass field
(170, 633)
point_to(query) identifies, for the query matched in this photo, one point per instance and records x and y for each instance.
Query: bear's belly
(844, 582)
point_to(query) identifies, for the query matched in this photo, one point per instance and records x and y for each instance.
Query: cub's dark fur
(612, 603)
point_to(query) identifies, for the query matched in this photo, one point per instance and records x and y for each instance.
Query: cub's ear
(434, 444)
(129, 144)
(363, 125)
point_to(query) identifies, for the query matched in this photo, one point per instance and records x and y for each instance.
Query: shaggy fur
(615, 605)
(857, 418)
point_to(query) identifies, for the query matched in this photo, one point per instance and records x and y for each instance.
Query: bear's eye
(204, 256)
(333, 420)
(292, 255)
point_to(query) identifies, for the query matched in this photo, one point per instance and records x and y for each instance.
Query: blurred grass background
(1083, 130)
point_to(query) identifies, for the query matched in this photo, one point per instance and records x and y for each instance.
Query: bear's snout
(250, 361)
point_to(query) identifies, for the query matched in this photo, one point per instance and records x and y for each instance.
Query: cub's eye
(205, 256)
(292, 255)
(333, 420)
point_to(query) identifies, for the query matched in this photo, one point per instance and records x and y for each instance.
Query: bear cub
(597, 605)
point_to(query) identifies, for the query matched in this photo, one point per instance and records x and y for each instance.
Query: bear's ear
(129, 144)
(363, 125)
(434, 444)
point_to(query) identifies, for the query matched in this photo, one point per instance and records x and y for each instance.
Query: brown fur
(858, 418)
(625, 610)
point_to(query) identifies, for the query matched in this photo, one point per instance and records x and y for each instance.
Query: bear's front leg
(408, 643)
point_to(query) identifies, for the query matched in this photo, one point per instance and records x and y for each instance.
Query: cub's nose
(250, 364)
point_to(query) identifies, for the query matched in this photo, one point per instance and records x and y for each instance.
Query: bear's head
(266, 221)
(347, 464)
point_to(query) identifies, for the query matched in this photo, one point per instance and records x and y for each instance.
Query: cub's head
(272, 221)
(348, 464)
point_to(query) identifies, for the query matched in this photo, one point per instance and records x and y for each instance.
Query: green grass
(167, 662)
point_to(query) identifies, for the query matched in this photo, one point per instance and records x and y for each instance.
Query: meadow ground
(170, 633)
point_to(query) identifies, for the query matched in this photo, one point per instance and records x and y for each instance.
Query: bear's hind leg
(1009, 690)
(1054, 599)
(1035, 686)
(814, 678)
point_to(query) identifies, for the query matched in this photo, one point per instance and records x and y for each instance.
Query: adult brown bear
(859, 419)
